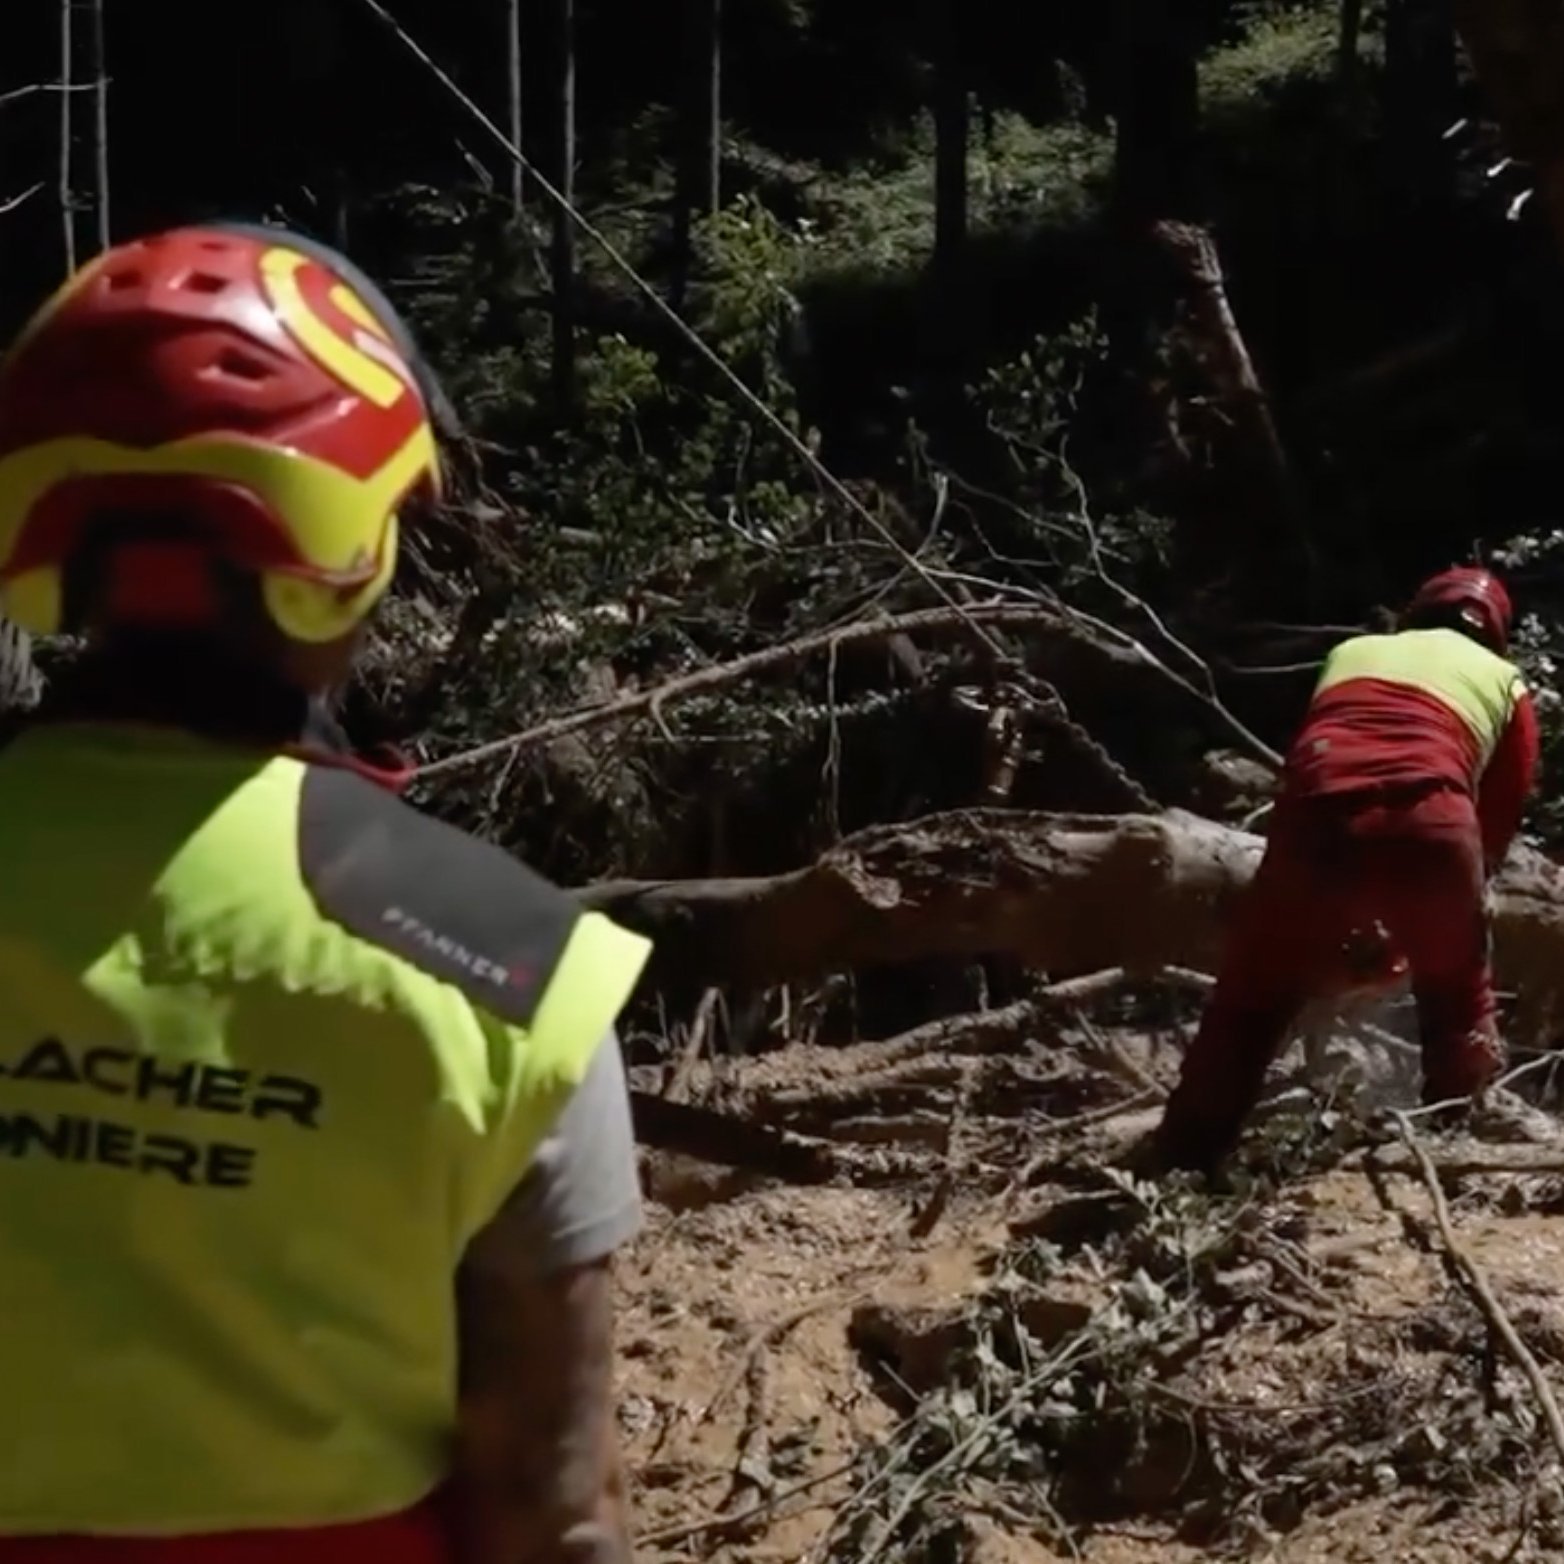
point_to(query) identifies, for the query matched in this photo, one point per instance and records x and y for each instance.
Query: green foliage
(1281, 48)
(1538, 646)
(1032, 405)
(668, 526)
(879, 218)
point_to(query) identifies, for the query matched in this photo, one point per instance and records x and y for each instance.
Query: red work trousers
(1333, 866)
(417, 1537)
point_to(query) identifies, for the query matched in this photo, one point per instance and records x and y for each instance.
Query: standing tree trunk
(1243, 515)
(563, 255)
(699, 192)
(949, 303)
(67, 87)
(1517, 47)
(1210, 319)
(1348, 40)
(1422, 95)
(952, 133)
(1156, 155)
(705, 170)
(100, 66)
(513, 54)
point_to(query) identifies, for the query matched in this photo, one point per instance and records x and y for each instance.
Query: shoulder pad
(456, 908)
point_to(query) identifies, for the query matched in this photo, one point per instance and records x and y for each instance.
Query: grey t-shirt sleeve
(581, 1198)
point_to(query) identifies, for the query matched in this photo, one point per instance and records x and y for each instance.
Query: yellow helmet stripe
(355, 308)
(346, 360)
(336, 520)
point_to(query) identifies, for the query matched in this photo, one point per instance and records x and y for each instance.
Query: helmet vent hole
(243, 366)
(205, 282)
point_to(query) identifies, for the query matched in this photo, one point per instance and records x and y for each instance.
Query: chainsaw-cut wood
(1066, 894)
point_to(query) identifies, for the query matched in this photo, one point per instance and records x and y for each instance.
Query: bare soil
(1338, 1399)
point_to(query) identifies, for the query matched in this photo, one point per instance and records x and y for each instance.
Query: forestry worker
(314, 1136)
(1399, 797)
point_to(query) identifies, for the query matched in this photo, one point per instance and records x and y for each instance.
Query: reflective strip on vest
(1479, 686)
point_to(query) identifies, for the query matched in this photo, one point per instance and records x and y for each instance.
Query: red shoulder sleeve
(1507, 782)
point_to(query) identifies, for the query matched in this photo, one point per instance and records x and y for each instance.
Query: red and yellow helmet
(1477, 596)
(226, 395)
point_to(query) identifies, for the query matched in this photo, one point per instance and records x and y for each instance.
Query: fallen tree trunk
(1065, 894)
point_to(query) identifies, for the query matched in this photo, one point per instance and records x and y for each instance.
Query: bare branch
(1477, 1285)
(1082, 629)
(42, 86)
(719, 675)
(11, 203)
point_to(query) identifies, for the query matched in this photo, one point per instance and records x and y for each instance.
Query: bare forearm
(513, 1529)
(539, 1477)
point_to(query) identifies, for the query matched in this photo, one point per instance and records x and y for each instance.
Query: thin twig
(770, 1334)
(1240, 730)
(1433, 1109)
(725, 1525)
(1476, 1284)
(11, 203)
(43, 86)
(972, 621)
(735, 381)
(718, 675)
(1533, 1160)
(1060, 1363)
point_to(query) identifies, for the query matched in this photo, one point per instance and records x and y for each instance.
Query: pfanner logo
(452, 950)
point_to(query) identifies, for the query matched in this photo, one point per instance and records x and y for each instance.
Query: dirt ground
(777, 1342)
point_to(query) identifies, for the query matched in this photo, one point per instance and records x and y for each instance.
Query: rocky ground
(983, 1346)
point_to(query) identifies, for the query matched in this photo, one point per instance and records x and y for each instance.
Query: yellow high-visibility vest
(1478, 685)
(273, 1047)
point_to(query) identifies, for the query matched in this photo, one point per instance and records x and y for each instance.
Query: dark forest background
(1220, 322)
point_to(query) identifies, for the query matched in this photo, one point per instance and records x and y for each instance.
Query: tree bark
(1194, 255)
(1517, 47)
(513, 61)
(563, 256)
(699, 169)
(706, 109)
(1171, 276)
(1347, 45)
(1064, 894)
(952, 132)
(67, 194)
(100, 66)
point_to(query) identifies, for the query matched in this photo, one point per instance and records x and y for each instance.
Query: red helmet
(223, 394)
(1476, 596)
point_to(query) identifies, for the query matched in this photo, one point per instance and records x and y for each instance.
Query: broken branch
(1070, 631)
(1476, 1284)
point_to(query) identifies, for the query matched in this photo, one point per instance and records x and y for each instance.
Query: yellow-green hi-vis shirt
(273, 1047)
